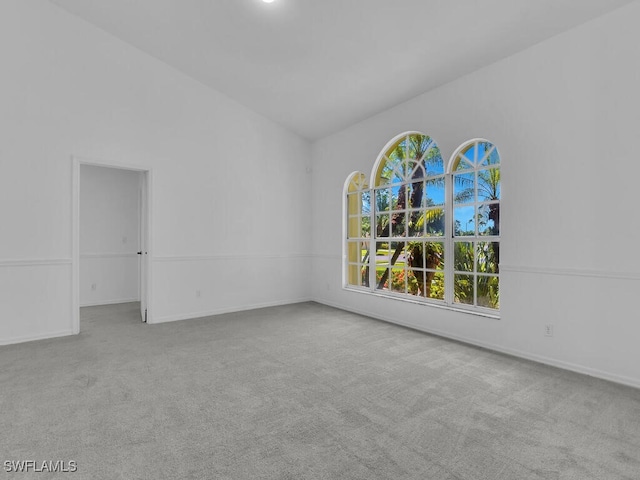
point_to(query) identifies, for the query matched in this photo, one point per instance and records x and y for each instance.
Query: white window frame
(448, 239)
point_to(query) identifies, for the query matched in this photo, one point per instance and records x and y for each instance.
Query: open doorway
(111, 225)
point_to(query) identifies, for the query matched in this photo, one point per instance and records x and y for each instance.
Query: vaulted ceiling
(317, 66)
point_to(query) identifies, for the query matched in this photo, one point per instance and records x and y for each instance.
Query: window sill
(468, 310)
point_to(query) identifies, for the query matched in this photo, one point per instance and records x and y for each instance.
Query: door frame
(146, 238)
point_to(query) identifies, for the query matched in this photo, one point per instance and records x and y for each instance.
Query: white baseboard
(220, 311)
(41, 336)
(110, 302)
(592, 372)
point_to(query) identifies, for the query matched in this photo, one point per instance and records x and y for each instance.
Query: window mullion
(372, 238)
(448, 234)
(345, 243)
(476, 221)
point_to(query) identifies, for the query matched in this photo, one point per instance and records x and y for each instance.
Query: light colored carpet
(303, 392)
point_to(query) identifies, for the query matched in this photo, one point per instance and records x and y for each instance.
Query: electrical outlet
(94, 287)
(548, 330)
(124, 239)
(198, 293)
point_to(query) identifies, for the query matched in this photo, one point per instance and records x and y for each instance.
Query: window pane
(434, 285)
(415, 195)
(488, 154)
(353, 274)
(417, 145)
(463, 256)
(398, 280)
(364, 276)
(383, 199)
(463, 289)
(363, 248)
(488, 291)
(434, 163)
(488, 257)
(365, 226)
(398, 224)
(382, 254)
(493, 158)
(489, 219)
(353, 203)
(434, 192)
(415, 282)
(382, 278)
(382, 225)
(413, 255)
(398, 153)
(385, 175)
(464, 188)
(399, 173)
(434, 222)
(464, 221)
(416, 170)
(434, 255)
(415, 223)
(353, 255)
(391, 171)
(489, 185)
(413, 287)
(397, 165)
(471, 154)
(357, 182)
(366, 202)
(398, 197)
(397, 254)
(422, 148)
(353, 230)
(463, 163)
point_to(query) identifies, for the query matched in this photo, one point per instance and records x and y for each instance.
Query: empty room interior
(310, 240)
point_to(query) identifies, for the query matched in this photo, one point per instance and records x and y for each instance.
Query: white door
(143, 253)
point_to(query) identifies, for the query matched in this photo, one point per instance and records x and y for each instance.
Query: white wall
(109, 233)
(230, 214)
(565, 115)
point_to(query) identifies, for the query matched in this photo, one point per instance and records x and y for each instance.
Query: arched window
(422, 231)
(358, 228)
(409, 192)
(475, 171)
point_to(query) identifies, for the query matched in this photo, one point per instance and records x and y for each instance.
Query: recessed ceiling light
(267, 1)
